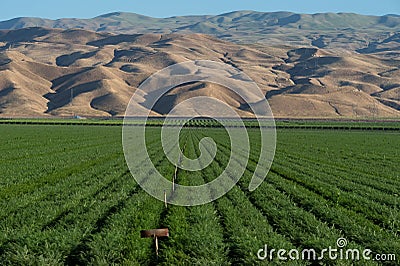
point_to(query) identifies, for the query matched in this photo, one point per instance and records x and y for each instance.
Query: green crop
(67, 197)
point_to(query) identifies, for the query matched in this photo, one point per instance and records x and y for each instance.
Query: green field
(67, 197)
(341, 124)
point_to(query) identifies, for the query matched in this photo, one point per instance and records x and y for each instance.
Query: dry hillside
(64, 72)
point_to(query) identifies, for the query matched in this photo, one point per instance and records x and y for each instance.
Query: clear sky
(164, 8)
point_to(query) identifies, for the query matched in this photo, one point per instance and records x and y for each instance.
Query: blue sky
(164, 8)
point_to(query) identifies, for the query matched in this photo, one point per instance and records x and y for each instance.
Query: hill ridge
(44, 73)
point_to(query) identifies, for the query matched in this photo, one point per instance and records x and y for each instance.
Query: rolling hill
(331, 30)
(321, 65)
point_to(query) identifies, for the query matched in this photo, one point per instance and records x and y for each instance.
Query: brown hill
(323, 30)
(47, 72)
